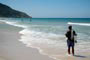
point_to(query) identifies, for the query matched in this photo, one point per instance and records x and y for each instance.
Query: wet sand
(12, 49)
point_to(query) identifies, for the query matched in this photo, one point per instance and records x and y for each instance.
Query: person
(70, 35)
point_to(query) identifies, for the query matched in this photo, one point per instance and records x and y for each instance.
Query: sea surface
(48, 34)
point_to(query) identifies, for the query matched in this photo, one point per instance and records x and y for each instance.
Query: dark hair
(70, 27)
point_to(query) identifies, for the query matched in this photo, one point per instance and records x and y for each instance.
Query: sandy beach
(12, 49)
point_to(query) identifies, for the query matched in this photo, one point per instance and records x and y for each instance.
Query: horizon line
(47, 17)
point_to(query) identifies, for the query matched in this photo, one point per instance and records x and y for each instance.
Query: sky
(52, 8)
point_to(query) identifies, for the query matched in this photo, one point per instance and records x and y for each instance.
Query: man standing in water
(70, 34)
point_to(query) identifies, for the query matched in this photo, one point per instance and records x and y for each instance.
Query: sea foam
(82, 24)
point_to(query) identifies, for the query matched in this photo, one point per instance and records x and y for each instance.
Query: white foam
(82, 24)
(41, 41)
(14, 24)
(39, 37)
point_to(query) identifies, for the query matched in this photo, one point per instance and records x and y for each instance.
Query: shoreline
(34, 50)
(30, 48)
(23, 28)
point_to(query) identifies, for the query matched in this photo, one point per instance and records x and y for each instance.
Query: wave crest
(82, 24)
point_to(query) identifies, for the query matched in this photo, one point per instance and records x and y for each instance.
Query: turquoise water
(48, 34)
(54, 25)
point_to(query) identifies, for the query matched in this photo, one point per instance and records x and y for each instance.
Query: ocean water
(48, 34)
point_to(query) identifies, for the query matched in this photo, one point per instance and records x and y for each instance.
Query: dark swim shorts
(70, 43)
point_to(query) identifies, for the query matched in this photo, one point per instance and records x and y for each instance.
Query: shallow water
(47, 34)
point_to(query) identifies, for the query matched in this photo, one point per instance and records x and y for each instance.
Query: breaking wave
(82, 24)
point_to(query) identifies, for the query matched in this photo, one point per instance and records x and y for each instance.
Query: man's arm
(66, 34)
(75, 33)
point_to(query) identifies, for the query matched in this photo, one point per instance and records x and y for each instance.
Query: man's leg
(68, 44)
(68, 50)
(73, 50)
